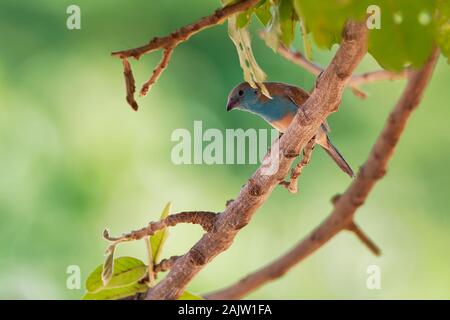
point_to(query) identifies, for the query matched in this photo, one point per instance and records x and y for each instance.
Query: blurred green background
(74, 158)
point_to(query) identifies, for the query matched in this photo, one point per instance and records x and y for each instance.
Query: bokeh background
(74, 158)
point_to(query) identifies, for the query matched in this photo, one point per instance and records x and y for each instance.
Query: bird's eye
(241, 92)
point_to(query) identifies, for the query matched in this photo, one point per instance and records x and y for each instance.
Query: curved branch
(324, 100)
(345, 205)
(205, 219)
(184, 33)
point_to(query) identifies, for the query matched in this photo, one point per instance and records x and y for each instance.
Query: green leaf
(116, 293)
(158, 239)
(127, 270)
(263, 12)
(325, 19)
(288, 20)
(406, 36)
(443, 27)
(190, 296)
(407, 28)
(243, 18)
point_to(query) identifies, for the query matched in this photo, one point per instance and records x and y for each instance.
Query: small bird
(279, 111)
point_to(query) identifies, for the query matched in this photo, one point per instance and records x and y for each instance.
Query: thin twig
(353, 227)
(129, 84)
(162, 65)
(292, 185)
(345, 205)
(358, 92)
(205, 219)
(374, 76)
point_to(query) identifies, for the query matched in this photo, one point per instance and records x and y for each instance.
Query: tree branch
(324, 100)
(374, 76)
(184, 33)
(355, 81)
(169, 43)
(205, 219)
(162, 65)
(346, 205)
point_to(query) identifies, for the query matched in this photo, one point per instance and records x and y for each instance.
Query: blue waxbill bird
(280, 110)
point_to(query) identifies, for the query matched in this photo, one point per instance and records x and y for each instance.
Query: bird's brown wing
(297, 95)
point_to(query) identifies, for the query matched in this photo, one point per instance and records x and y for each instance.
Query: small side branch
(353, 227)
(205, 219)
(129, 84)
(167, 53)
(375, 76)
(292, 185)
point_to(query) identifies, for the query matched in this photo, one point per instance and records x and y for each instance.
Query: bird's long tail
(336, 156)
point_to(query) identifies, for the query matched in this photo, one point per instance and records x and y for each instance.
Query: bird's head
(243, 97)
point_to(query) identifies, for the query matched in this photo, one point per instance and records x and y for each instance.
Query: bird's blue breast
(274, 109)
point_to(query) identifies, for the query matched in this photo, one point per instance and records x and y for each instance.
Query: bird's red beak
(231, 104)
